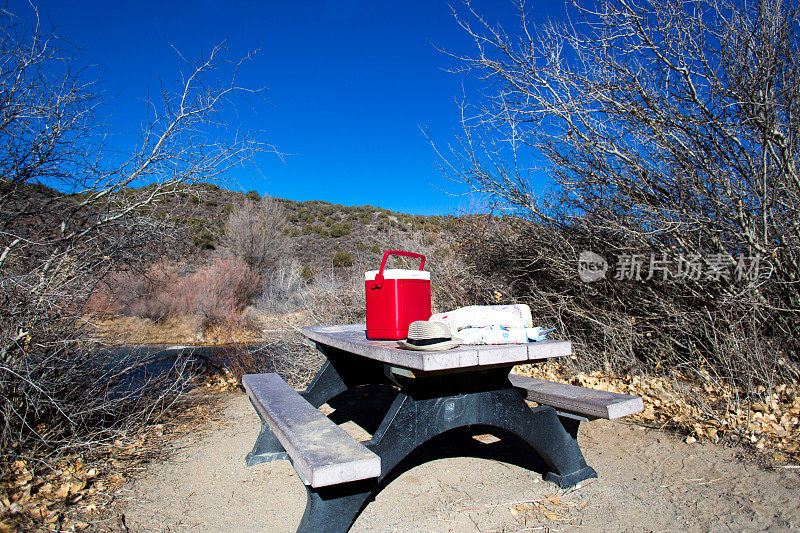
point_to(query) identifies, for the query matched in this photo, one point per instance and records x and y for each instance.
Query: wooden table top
(352, 338)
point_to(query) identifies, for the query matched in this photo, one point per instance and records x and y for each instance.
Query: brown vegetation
(646, 165)
(59, 391)
(77, 492)
(256, 232)
(701, 407)
(670, 133)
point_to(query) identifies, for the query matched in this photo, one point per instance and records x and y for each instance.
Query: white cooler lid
(398, 273)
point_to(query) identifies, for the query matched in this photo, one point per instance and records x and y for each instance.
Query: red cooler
(396, 298)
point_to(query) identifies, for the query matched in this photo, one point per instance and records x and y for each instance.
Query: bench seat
(577, 400)
(322, 453)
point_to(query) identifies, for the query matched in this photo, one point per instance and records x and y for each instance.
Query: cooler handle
(386, 254)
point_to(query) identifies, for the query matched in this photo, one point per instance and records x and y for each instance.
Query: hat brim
(439, 346)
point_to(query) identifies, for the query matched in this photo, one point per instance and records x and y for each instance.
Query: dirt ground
(649, 480)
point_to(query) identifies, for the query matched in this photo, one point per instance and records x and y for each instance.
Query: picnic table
(438, 391)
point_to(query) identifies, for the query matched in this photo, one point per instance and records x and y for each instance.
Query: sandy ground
(648, 481)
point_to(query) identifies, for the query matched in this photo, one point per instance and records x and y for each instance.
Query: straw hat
(429, 336)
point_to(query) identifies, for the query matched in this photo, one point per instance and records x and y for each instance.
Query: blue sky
(349, 85)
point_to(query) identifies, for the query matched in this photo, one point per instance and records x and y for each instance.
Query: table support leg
(342, 371)
(267, 447)
(326, 384)
(411, 422)
(334, 509)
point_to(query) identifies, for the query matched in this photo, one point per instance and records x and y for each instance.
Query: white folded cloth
(478, 316)
(500, 335)
(492, 324)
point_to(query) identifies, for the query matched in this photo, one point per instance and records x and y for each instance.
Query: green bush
(205, 240)
(342, 259)
(253, 195)
(340, 230)
(376, 249)
(307, 274)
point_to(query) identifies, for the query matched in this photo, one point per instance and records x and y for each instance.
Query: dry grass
(561, 507)
(122, 330)
(174, 329)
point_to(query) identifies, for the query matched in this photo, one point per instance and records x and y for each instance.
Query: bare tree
(72, 210)
(668, 127)
(255, 232)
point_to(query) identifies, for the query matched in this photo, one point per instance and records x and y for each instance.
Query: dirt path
(649, 481)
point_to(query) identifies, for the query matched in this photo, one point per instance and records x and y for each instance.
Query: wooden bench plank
(590, 402)
(322, 453)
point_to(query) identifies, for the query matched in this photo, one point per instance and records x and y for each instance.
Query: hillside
(316, 229)
(193, 224)
(223, 256)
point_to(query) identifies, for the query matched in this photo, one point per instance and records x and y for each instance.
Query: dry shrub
(283, 288)
(334, 296)
(58, 391)
(287, 354)
(254, 231)
(623, 326)
(218, 292)
(146, 294)
(149, 294)
(103, 301)
(652, 133)
(76, 394)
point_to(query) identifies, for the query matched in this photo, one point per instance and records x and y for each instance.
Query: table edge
(467, 356)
